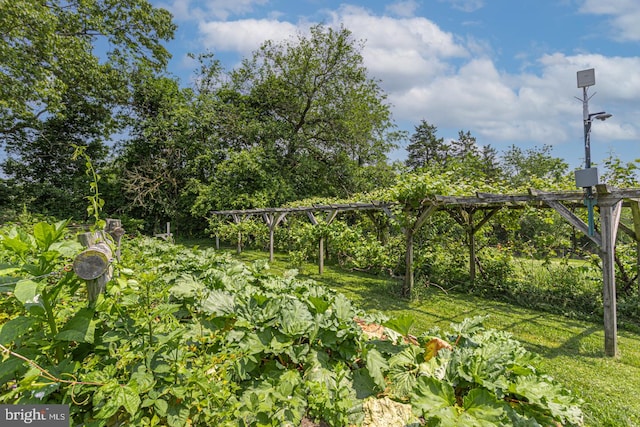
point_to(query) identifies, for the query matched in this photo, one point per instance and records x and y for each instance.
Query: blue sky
(505, 70)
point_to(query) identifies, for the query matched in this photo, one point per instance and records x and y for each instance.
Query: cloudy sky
(505, 70)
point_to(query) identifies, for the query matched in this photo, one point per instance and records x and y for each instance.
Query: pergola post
(238, 220)
(421, 216)
(635, 212)
(466, 221)
(272, 222)
(609, 219)
(331, 215)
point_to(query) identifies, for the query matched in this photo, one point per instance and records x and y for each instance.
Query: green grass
(571, 351)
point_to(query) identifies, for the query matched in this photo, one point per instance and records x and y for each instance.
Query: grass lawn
(571, 351)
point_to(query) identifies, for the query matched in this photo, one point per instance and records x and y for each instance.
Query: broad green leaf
(80, 328)
(177, 415)
(67, 248)
(401, 324)
(142, 381)
(483, 406)
(219, 303)
(364, 384)
(119, 396)
(25, 290)
(186, 286)
(9, 367)
(129, 398)
(14, 328)
(161, 407)
(45, 235)
(377, 365)
(430, 395)
(16, 245)
(295, 318)
(343, 308)
(319, 304)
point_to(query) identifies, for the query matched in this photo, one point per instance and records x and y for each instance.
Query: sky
(504, 70)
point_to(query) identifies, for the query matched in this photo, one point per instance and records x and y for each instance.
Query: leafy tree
(489, 162)
(465, 146)
(155, 163)
(45, 177)
(47, 52)
(246, 180)
(310, 104)
(521, 166)
(425, 149)
(621, 174)
(56, 91)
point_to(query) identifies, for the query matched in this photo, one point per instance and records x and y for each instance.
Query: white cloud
(502, 107)
(403, 8)
(625, 16)
(243, 36)
(400, 51)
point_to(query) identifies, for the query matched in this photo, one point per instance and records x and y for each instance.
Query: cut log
(93, 262)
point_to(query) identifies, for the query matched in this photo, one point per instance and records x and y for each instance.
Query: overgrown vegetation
(571, 350)
(191, 337)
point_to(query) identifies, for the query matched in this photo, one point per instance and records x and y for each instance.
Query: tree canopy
(49, 49)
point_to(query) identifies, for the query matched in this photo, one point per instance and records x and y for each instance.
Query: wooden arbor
(275, 216)
(464, 210)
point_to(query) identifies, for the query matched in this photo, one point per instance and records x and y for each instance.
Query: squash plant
(191, 337)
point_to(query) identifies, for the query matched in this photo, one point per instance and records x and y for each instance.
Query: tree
(314, 109)
(465, 146)
(522, 166)
(55, 90)
(490, 163)
(42, 171)
(156, 162)
(425, 149)
(47, 51)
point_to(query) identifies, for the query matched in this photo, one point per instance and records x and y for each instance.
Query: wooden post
(94, 263)
(471, 235)
(331, 215)
(272, 222)
(167, 235)
(321, 255)
(635, 213)
(237, 220)
(609, 218)
(421, 216)
(115, 230)
(408, 274)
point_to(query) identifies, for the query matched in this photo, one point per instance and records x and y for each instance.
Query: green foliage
(55, 91)
(51, 59)
(194, 338)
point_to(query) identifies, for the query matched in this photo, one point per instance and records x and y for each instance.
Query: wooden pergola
(473, 212)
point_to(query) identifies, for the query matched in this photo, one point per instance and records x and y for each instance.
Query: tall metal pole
(589, 199)
(587, 130)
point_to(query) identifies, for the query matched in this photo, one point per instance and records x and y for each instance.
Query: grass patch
(572, 351)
